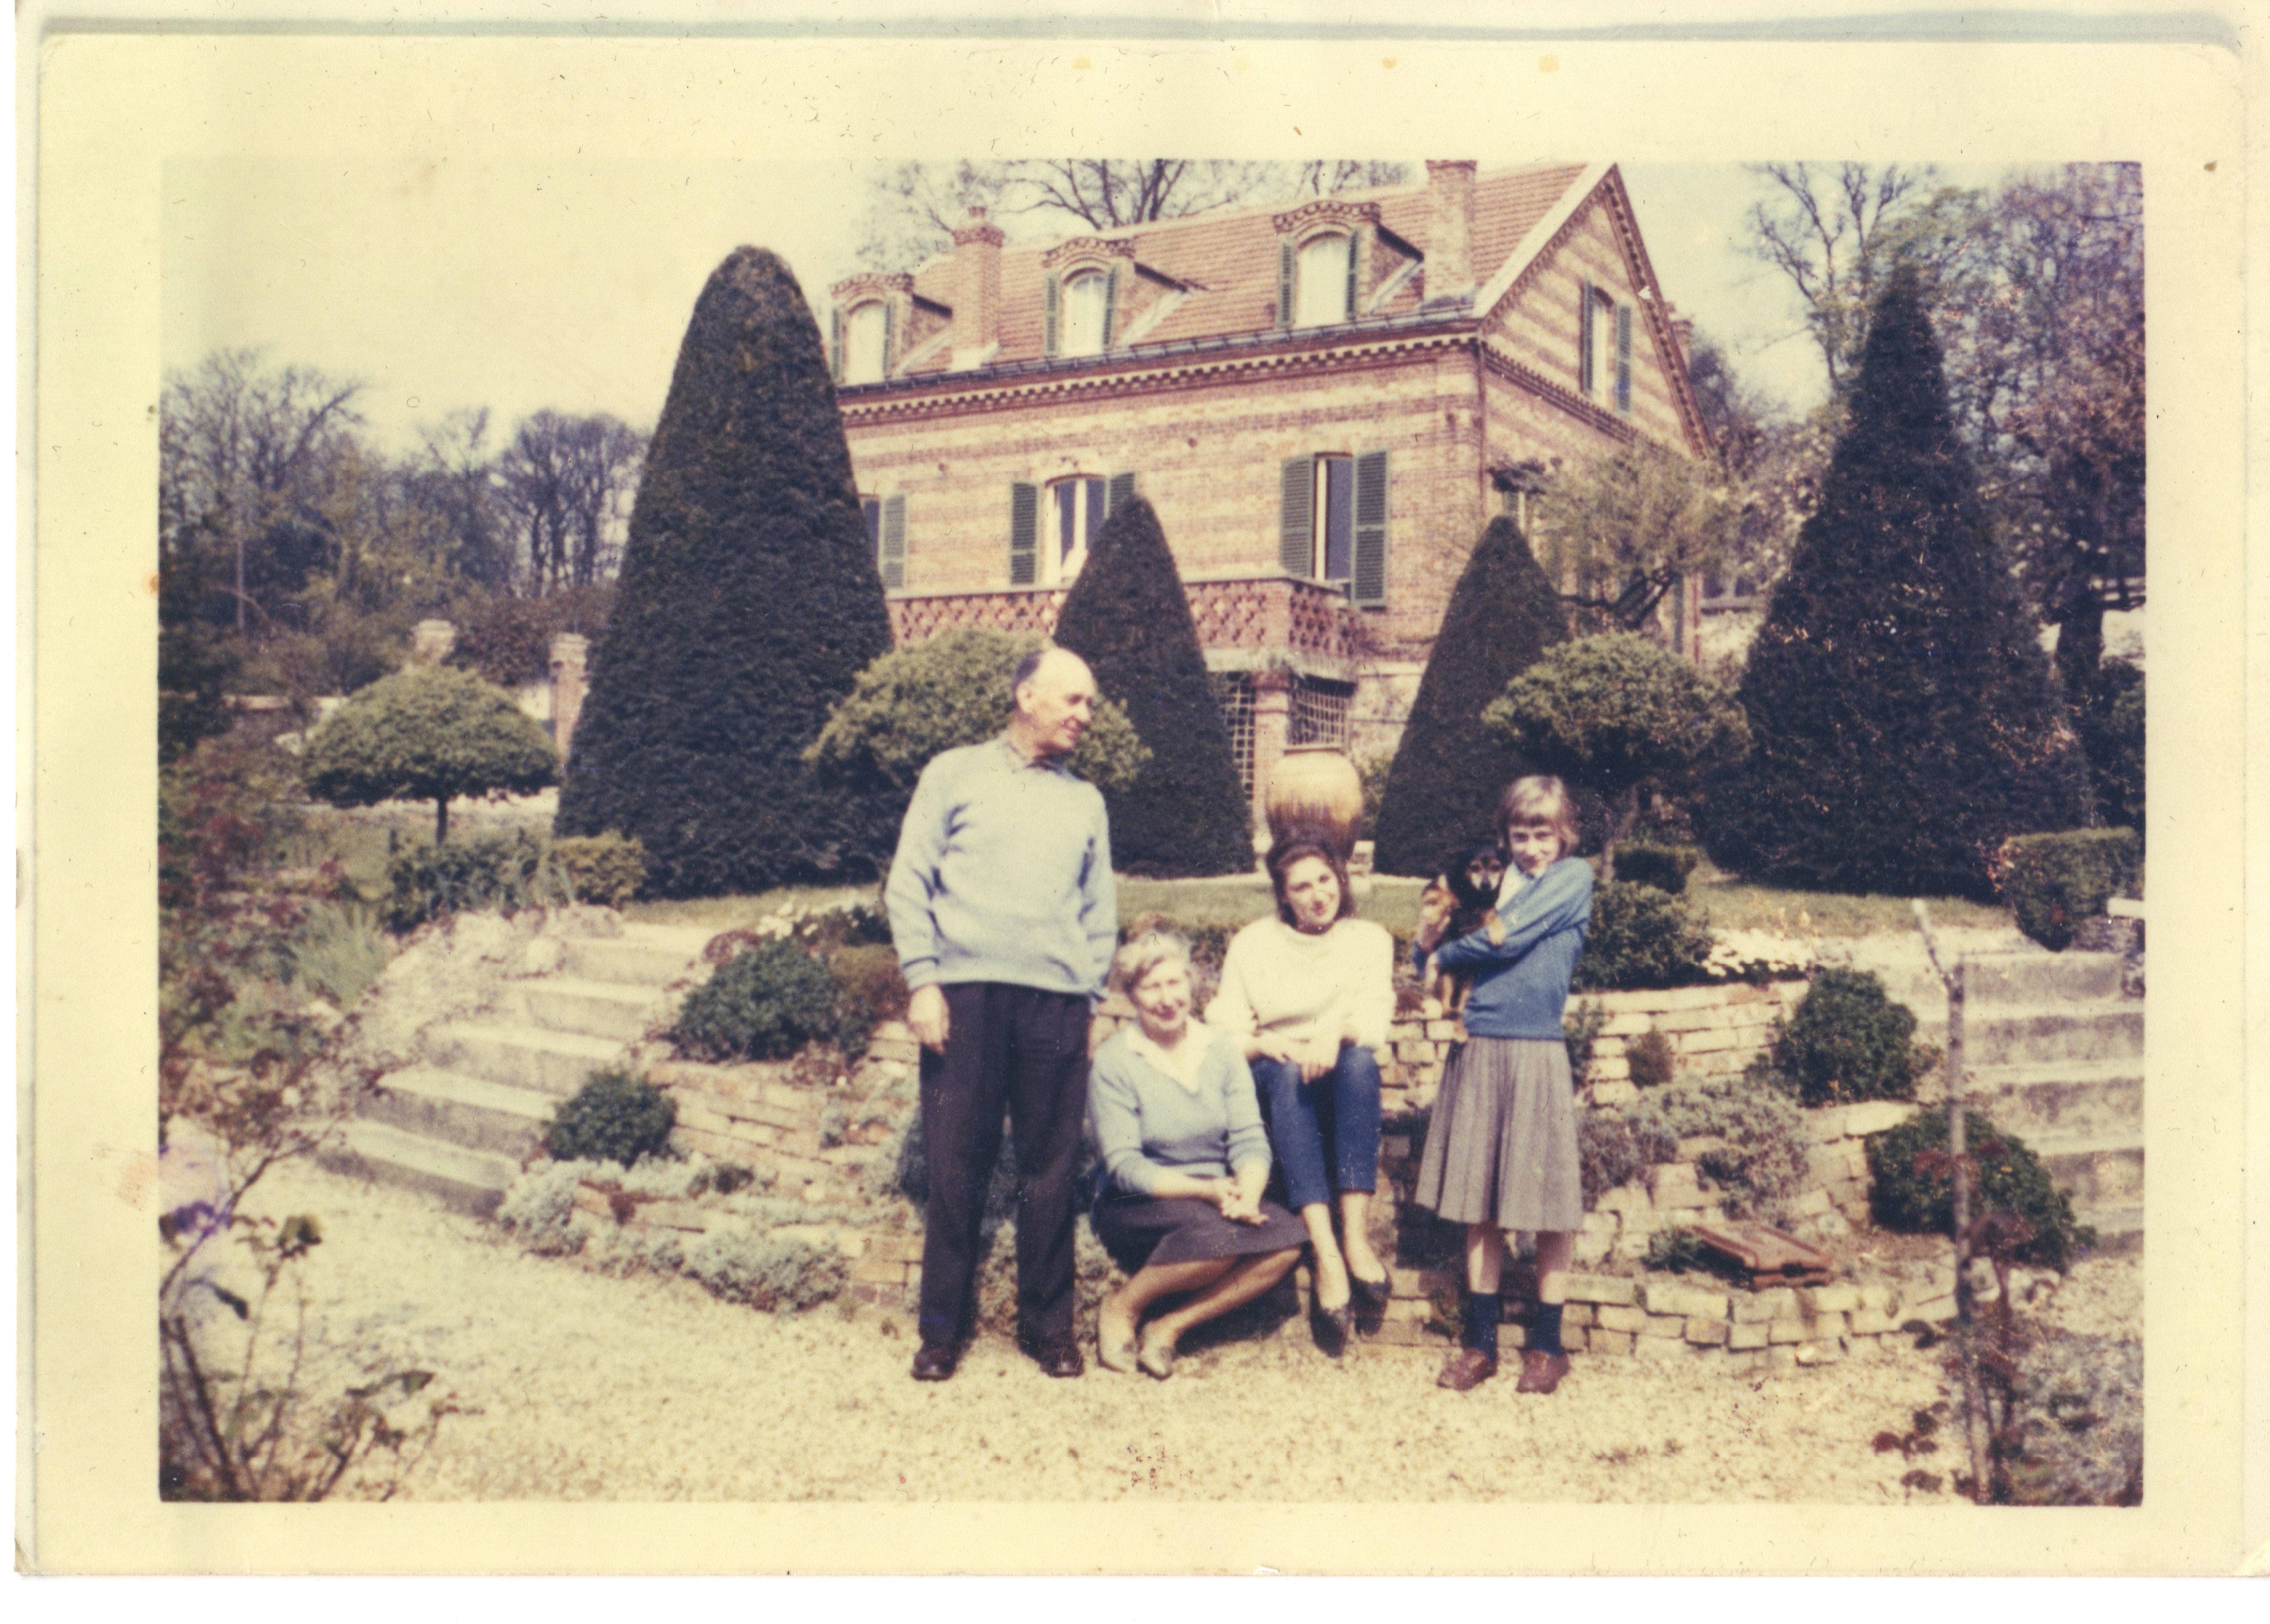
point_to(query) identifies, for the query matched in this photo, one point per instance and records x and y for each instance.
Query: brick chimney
(1450, 266)
(976, 290)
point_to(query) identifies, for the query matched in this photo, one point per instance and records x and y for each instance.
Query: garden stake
(1974, 1397)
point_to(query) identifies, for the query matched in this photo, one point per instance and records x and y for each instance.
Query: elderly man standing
(1003, 911)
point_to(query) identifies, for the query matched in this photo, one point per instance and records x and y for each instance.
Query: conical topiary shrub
(1904, 721)
(1442, 790)
(749, 602)
(1128, 618)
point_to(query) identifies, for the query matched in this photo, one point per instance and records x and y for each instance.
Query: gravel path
(574, 1385)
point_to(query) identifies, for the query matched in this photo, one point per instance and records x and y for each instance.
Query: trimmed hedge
(1848, 1041)
(505, 873)
(1905, 720)
(1449, 770)
(1640, 938)
(602, 869)
(1664, 867)
(614, 1117)
(426, 734)
(1129, 618)
(749, 603)
(764, 1003)
(1913, 1189)
(2053, 882)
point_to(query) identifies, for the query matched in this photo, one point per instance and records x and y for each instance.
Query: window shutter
(890, 332)
(1284, 281)
(836, 345)
(1024, 534)
(1368, 585)
(1584, 341)
(1110, 302)
(1354, 272)
(1121, 490)
(1048, 316)
(1623, 358)
(894, 543)
(1296, 525)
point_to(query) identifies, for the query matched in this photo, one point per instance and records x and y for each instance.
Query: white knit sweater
(1276, 980)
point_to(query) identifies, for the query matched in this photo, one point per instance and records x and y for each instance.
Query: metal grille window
(1233, 691)
(1319, 713)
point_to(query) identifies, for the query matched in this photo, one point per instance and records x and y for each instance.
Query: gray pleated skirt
(1502, 1144)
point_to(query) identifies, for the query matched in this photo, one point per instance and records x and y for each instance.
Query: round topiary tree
(426, 734)
(1905, 719)
(1616, 714)
(1448, 771)
(950, 690)
(1128, 618)
(749, 604)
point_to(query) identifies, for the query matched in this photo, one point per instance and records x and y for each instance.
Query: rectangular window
(1078, 516)
(1319, 712)
(870, 510)
(1233, 691)
(1335, 551)
(1623, 358)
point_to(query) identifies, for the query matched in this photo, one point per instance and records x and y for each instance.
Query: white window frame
(1083, 335)
(866, 330)
(1090, 496)
(1313, 295)
(1320, 517)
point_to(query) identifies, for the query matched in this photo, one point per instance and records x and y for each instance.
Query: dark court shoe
(1467, 1369)
(1540, 1371)
(1330, 1327)
(1369, 1300)
(934, 1362)
(1060, 1360)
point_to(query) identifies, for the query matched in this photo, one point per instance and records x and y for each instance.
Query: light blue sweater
(1521, 984)
(1145, 1122)
(1003, 874)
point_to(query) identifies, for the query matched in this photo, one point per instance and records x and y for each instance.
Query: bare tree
(456, 477)
(1625, 526)
(914, 207)
(566, 483)
(242, 454)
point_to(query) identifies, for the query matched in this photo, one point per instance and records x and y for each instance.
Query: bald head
(1056, 702)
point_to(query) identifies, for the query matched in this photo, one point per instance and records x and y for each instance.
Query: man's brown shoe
(934, 1362)
(1540, 1371)
(1467, 1369)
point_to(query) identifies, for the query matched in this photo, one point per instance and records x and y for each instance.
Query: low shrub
(540, 1207)
(2053, 882)
(1849, 1042)
(614, 1117)
(1650, 1057)
(768, 1272)
(764, 1003)
(1641, 937)
(501, 871)
(872, 991)
(1677, 1249)
(1580, 1024)
(1608, 1152)
(339, 951)
(1766, 1153)
(602, 869)
(1373, 771)
(1912, 1186)
(1640, 862)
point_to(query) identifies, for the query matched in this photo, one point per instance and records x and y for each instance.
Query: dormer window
(1086, 314)
(866, 343)
(1323, 281)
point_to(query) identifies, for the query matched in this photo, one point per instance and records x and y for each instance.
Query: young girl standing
(1501, 1150)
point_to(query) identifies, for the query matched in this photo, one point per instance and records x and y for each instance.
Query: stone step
(642, 956)
(2098, 1098)
(617, 1011)
(472, 1181)
(2041, 978)
(2029, 1035)
(464, 1110)
(2096, 1173)
(522, 1057)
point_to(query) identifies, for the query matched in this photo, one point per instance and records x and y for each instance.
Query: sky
(566, 284)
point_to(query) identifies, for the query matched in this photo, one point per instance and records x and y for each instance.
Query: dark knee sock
(1483, 1313)
(1545, 1335)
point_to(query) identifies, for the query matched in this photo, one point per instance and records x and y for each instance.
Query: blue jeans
(1342, 1107)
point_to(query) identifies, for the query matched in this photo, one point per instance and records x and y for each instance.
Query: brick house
(1325, 404)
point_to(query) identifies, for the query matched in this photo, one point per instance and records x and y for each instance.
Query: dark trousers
(1027, 1050)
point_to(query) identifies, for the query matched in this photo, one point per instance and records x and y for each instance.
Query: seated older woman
(1172, 1110)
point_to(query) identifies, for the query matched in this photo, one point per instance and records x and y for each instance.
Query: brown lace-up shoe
(1540, 1371)
(1467, 1369)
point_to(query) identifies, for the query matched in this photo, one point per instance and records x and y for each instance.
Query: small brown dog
(1458, 903)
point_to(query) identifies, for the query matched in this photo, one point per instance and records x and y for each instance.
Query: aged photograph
(1158, 828)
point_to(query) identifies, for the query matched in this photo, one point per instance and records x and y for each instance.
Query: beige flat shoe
(1157, 1356)
(1115, 1353)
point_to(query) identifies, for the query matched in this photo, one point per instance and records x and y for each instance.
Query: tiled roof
(1228, 258)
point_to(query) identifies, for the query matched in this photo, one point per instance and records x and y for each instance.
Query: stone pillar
(569, 653)
(1272, 717)
(431, 642)
(1449, 264)
(976, 290)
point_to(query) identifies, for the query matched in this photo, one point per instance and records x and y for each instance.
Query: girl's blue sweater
(1521, 984)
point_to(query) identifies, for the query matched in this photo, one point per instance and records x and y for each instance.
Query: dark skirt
(1502, 1143)
(1136, 1230)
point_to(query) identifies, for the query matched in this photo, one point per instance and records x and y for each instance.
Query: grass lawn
(1737, 904)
